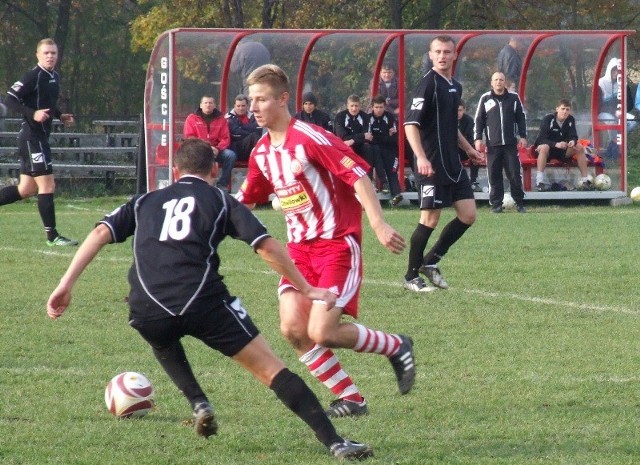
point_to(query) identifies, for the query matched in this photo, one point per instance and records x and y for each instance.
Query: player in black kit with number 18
(35, 97)
(176, 289)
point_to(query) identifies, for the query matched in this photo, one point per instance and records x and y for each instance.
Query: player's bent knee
(322, 337)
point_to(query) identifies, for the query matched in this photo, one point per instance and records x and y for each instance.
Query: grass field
(532, 355)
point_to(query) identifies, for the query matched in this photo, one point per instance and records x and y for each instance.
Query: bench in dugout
(529, 161)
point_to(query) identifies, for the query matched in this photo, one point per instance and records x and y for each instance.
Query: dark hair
(564, 102)
(194, 156)
(379, 99)
(309, 97)
(242, 97)
(444, 39)
(462, 104)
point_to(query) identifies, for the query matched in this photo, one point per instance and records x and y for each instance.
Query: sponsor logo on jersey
(347, 162)
(416, 103)
(37, 157)
(17, 86)
(294, 198)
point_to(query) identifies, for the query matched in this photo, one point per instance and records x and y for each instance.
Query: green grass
(530, 357)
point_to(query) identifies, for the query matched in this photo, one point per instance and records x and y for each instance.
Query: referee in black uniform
(176, 289)
(35, 97)
(431, 127)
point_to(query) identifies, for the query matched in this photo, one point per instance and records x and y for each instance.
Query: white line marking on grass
(71, 252)
(546, 301)
(392, 284)
(43, 369)
(525, 298)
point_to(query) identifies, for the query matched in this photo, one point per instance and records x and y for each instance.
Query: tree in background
(105, 45)
(102, 76)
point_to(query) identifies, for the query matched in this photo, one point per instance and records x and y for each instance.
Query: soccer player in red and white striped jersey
(316, 177)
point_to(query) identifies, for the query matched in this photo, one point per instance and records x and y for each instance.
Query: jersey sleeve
(255, 187)
(17, 93)
(121, 221)
(243, 224)
(418, 104)
(338, 158)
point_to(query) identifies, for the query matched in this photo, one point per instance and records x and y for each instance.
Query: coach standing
(500, 118)
(35, 97)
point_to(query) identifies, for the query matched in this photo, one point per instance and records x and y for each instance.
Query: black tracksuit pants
(499, 158)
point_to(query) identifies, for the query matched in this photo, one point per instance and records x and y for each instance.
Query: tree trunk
(269, 13)
(395, 13)
(62, 28)
(434, 20)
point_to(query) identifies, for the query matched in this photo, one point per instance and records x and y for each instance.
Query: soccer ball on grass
(635, 194)
(602, 182)
(129, 395)
(507, 201)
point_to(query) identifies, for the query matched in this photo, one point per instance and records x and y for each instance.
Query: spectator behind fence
(609, 93)
(510, 62)
(465, 126)
(243, 128)
(311, 114)
(384, 128)
(558, 139)
(35, 97)
(208, 123)
(247, 57)
(352, 126)
(388, 88)
(500, 119)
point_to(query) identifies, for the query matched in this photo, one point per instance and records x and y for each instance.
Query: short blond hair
(272, 76)
(47, 41)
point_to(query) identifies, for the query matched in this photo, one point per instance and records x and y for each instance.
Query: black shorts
(555, 154)
(226, 328)
(35, 156)
(435, 197)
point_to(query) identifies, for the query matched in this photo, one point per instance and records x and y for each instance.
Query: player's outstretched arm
(276, 256)
(61, 296)
(387, 236)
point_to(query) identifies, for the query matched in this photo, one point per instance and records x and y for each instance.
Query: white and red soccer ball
(129, 395)
(602, 182)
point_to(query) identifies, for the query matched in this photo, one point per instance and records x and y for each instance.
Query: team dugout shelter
(186, 64)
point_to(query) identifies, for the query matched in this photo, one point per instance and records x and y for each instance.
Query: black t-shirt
(38, 89)
(177, 231)
(434, 109)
